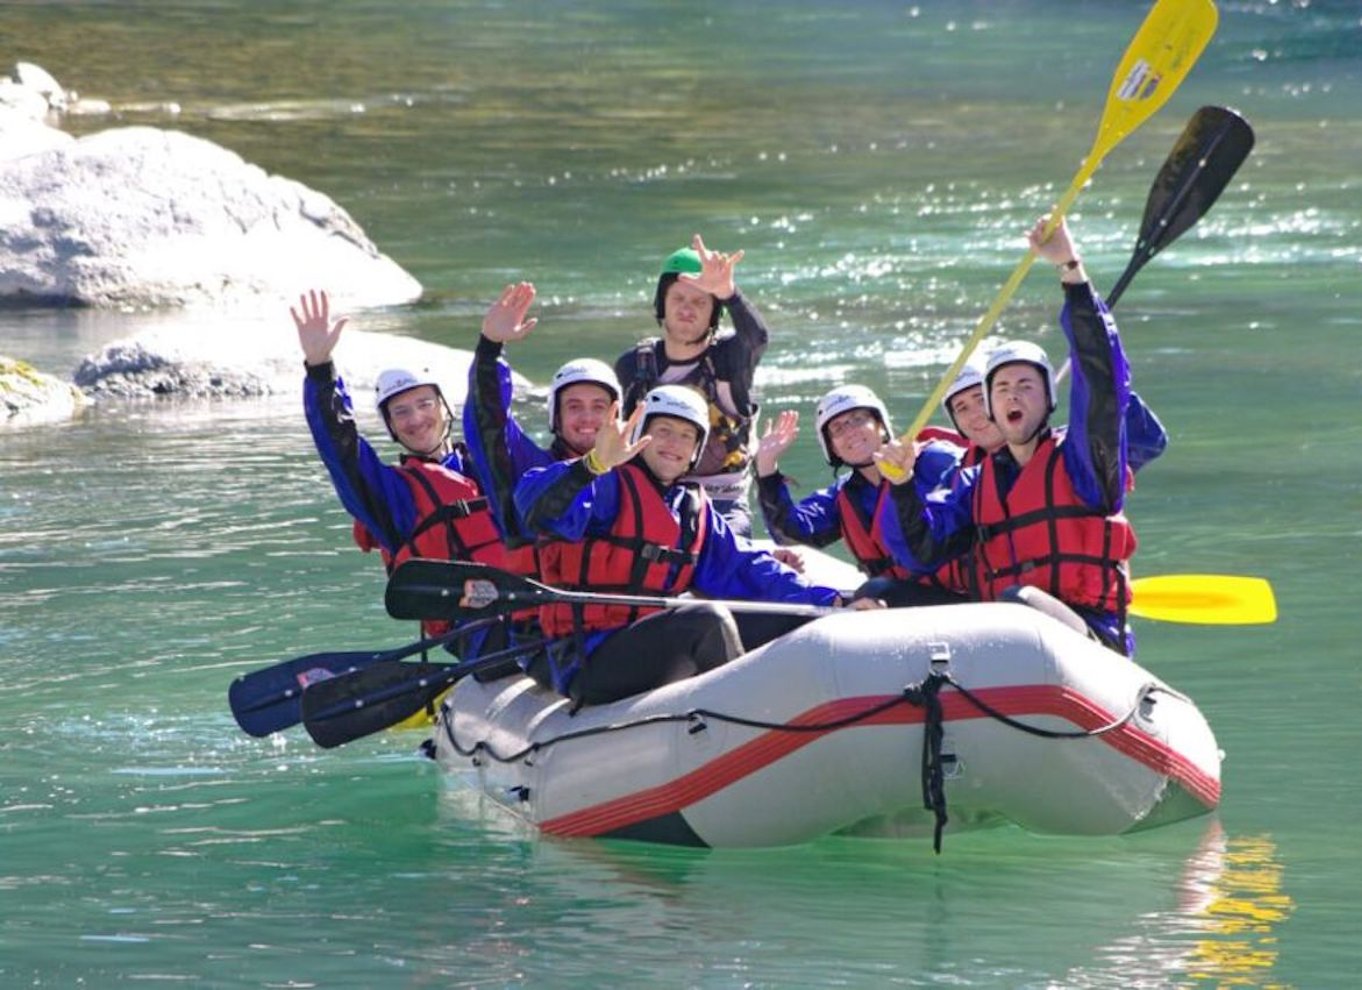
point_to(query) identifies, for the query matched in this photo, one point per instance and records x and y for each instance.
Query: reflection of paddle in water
(1221, 932)
(1241, 918)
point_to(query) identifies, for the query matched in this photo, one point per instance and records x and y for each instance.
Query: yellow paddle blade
(1208, 599)
(1163, 51)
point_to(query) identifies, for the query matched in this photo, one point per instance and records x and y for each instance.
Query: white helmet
(842, 399)
(970, 375)
(580, 370)
(680, 402)
(391, 381)
(1019, 352)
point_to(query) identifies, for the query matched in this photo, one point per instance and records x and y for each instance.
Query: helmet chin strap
(1044, 423)
(444, 444)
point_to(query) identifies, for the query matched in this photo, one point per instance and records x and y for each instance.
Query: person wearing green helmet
(693, 288)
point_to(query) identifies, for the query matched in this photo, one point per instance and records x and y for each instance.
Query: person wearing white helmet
(851, 423)
(622, 520)
(694, 287)
(1045, 510)
(429, 504)
(583, 394)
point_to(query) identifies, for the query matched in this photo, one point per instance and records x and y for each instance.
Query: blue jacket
(500, 449)
(816, 520)
(376, 494)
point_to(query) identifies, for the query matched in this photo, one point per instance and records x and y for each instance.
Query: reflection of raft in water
(823, 731)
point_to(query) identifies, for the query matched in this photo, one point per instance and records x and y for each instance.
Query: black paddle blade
(456, 591)
(269, 700)
(1209, 151)
(358, 704)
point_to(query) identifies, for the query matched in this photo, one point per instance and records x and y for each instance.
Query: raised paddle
(342, 709)
(454, 590)
(1205, 599)
(1163, 51)
(1209, 151)
(267, 700)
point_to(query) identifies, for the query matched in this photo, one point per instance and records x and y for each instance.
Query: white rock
(21, 134)
(29, 396)
(204, 359)
(40, 81)
(144, 217)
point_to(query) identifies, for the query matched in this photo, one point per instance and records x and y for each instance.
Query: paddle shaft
(542, 594)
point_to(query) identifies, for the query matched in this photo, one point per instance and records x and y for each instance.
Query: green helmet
(681, 261)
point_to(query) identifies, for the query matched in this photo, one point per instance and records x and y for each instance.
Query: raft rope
(925, 695)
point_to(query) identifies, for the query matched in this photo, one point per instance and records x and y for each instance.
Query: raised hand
(780, 433)
(316, 333)
(895, 461)
(612, 439)
(716, 270)
(505, 320)
(1058, 248)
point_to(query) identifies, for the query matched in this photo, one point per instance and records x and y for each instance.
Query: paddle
(1206, 599)
(357, 704)
(1163, 51)
(1209, 151)
(350, 706)
(454, 590)
(267, 700)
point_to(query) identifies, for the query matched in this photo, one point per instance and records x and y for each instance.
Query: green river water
(878, 162)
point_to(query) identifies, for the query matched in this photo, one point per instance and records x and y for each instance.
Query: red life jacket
(864, 537)
(645, 545)
(1042, 534)
(453, 522)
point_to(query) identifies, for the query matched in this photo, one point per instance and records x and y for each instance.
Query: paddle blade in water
(1205, 599)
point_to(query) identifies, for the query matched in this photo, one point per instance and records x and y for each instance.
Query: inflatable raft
(897, 722)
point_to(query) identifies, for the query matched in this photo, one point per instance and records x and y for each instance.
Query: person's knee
(712, 632)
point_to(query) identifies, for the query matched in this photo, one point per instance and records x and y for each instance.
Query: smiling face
(417, 419)
(1019, 402)
(967, 409)
(687, 312)
(582, 410)
(672, 449)
(855, 435)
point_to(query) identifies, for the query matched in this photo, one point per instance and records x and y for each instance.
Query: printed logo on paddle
(313, 675)
(1140, 82)
(478, 593)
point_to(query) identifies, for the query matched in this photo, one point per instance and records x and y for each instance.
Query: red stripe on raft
(775, 744)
